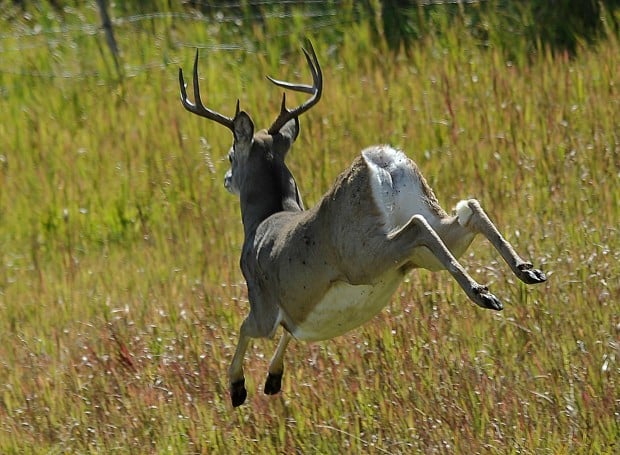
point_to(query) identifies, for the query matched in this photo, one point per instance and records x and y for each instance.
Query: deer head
(258, 173)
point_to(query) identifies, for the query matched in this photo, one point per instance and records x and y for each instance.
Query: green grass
(121, 297)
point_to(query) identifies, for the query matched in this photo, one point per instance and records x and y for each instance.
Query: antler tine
(316, 89)
(197, 107)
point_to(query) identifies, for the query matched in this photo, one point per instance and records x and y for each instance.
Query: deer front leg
(417, 232)
(276, 366)
(472, 216)
(236, 379)
(238, 394)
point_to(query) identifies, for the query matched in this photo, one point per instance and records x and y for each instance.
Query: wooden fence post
(109, 34)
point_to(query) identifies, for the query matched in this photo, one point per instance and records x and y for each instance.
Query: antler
(315, 89)
(197, 107)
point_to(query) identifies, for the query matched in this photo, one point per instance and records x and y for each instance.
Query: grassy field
(120, 292)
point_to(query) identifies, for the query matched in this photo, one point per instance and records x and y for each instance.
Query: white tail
(321, 272)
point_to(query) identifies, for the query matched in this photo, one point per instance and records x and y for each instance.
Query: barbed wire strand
(34, 37)
(93, 29)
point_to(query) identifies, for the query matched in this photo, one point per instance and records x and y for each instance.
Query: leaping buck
(321, 272)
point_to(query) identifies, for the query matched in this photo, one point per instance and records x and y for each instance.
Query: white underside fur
(463, 212)
(345, 307)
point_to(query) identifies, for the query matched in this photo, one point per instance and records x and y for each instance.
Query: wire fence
(25, 35)
(27, 38)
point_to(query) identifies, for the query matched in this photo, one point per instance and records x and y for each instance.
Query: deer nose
(228, 183)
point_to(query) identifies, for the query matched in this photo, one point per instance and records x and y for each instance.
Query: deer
(322, 272)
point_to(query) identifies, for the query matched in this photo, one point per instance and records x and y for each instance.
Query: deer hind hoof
(530, 275)
(273, 383)
(487, 300)
(238, 394)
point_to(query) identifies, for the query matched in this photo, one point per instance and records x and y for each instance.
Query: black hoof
(487, 300)
(273, 383)
(238, 394)
(530, 275)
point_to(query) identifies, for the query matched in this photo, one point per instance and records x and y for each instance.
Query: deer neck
(269, 191)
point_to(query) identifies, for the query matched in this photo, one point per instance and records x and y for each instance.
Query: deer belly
(343, 308)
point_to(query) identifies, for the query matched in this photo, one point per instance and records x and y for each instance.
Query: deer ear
(283, 140)
(290, 130)
(243, 128)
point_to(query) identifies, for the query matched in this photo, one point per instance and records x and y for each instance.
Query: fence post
(109, 34)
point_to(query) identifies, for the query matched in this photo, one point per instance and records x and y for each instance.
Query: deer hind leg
(472, 216)
(276, 366)
(416, 233)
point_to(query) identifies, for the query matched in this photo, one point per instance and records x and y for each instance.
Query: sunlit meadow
(120, 292)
